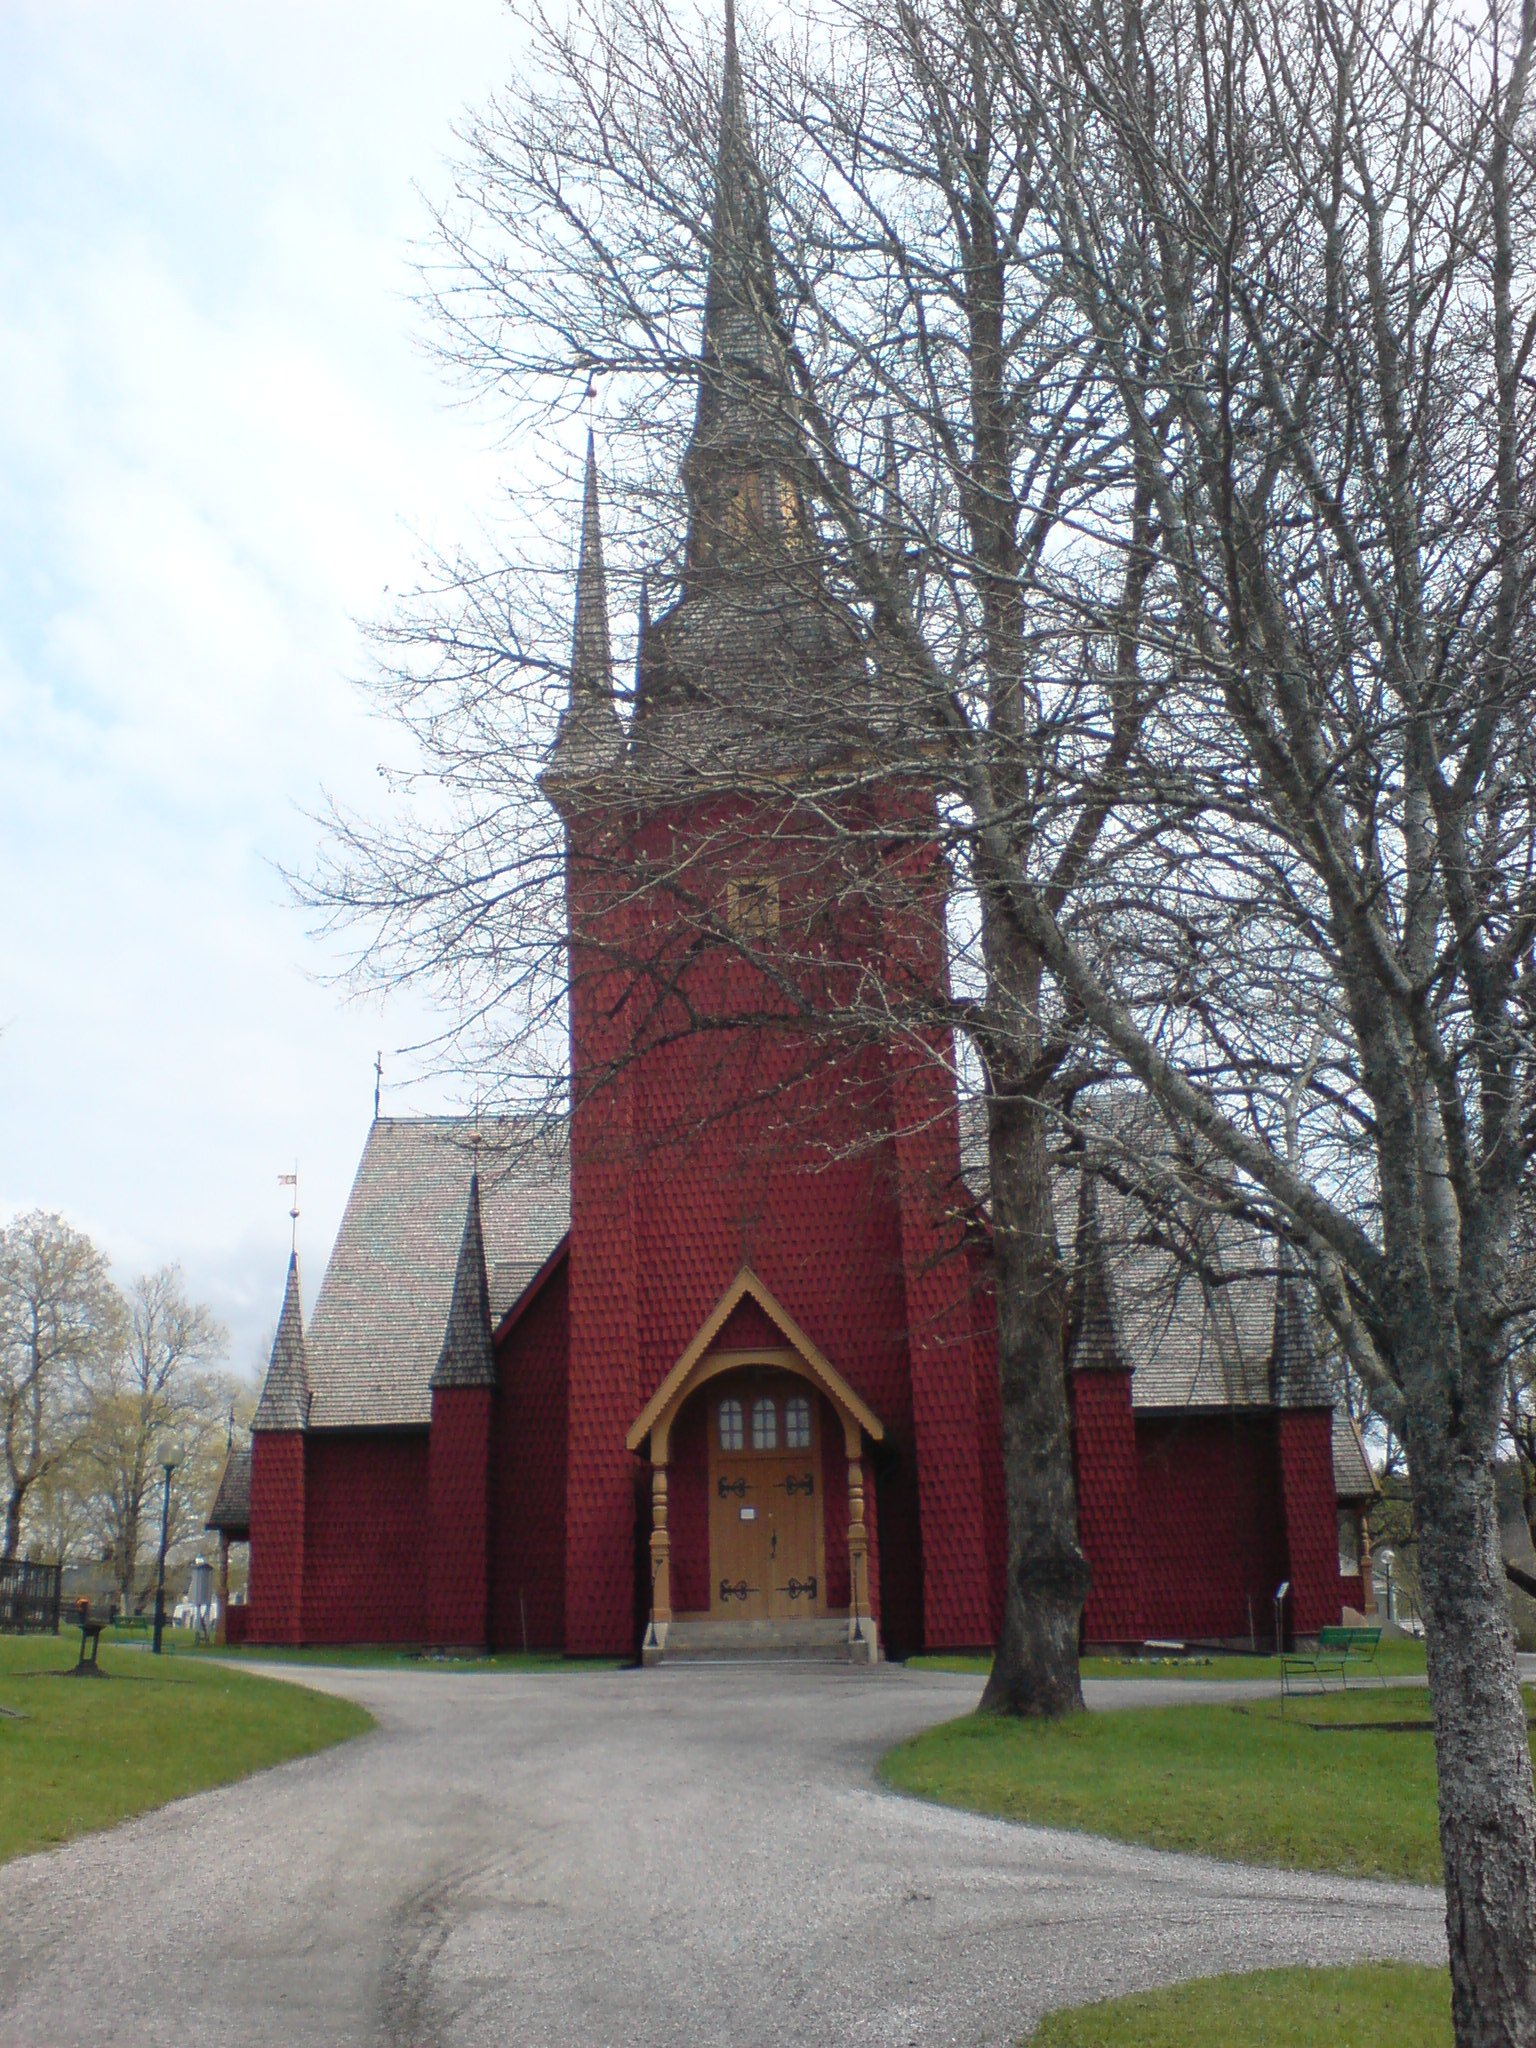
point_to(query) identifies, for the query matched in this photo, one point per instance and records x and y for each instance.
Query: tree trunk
(1035, 1669)
(1487, 1802)
(13, 1521)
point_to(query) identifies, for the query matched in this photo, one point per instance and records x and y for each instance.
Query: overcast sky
(218, 439)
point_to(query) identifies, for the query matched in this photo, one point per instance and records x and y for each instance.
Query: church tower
(783, 1197)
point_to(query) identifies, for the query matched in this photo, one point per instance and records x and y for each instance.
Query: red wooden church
(715, 1362)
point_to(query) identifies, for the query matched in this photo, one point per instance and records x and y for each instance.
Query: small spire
(892, 533)
(1096, 1346)
(1297, 1377)
(591, 653)
(890, 478)
(285, 1396)
(590, 736)
(642, 651)
(467, 1358)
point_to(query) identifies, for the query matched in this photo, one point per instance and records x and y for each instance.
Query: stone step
(700, 1641)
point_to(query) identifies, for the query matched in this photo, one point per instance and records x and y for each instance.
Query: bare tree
(1520, 1424)
(1299, 243)
(59, 1313)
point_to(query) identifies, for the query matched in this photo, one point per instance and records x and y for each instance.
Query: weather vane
(378, 1081)
(291, 1180)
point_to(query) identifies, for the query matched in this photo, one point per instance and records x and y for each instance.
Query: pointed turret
(643, 650)
(1297, 1376)
(745, 461)
(467, 1358)
(892, 531)
(590, 737)
(284, 1402)
(1097, 1343)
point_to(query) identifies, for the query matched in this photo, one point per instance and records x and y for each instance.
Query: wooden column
(860, 1622)
(219, 1634)
(661, 1561)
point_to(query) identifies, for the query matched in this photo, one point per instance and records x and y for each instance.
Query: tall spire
(590, 736)
(284, 1402)
(467, 1358)
(742, 469)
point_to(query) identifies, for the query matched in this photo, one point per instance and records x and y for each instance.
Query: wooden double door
(766, 1548)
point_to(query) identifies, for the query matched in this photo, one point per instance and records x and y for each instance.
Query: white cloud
(217, 434)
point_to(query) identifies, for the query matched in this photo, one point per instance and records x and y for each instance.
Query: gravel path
(674, 1857)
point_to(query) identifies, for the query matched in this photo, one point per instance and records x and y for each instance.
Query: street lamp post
(170, 1458)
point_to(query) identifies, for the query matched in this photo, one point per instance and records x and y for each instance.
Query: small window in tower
(1349, 1543)
(797, 1423)
(732, 1435)
(765, 1426)
(752, 908)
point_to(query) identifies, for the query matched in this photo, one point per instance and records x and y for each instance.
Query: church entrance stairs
(699, 1639)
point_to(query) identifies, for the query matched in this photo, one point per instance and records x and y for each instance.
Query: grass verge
(1394, 1660)
(1330, 1784)
(1377, 2005)
(80, 1753)
(388, 1657)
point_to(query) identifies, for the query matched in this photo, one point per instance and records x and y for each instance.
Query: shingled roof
(379, 1323)
(590, 737)
(1096, 1312)
(468, 1357)
(285, 1392)
(231, 1510)
(1237, 1334)
(1353, 1479)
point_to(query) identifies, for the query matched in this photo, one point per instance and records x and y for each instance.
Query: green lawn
(1377, 2005)
(1246, 1782)
(386, 1656)
(1394, 1660)
(81, 1753)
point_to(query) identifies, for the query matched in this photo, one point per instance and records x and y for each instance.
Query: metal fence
(29, 1598)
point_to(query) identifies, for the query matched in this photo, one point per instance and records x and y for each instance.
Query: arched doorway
(765, 1410)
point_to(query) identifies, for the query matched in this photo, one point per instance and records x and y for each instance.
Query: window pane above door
(765, 1425)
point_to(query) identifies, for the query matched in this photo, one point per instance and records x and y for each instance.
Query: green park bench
(1339, 1651)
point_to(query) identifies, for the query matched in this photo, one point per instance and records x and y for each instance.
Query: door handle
(773, 1544)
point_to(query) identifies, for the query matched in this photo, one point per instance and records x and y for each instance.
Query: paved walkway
(645, 1860)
